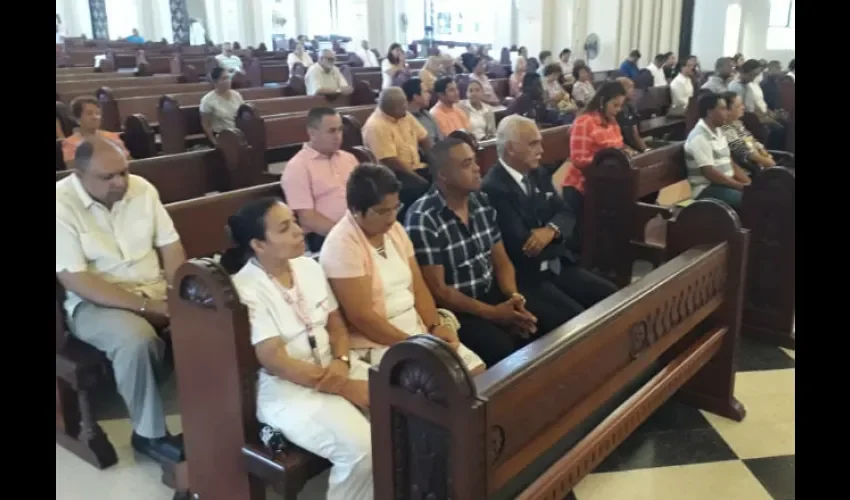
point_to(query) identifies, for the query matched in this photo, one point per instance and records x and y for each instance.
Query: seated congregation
(393, 309)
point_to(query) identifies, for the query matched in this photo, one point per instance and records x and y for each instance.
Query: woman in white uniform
(370, 264)
(307, 387)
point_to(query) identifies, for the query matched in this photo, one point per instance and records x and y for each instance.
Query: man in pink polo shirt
(314, 179)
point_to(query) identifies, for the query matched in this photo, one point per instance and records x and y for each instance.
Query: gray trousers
(134, 349)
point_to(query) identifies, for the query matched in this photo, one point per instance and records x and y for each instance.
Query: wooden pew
(114, 111)
(614, 221)
(532, 426)
(80, 368)
(276, 135)
(653, 104)
(195, 174)
(120, 82)
(244, 465)
(556, 148)
(179, 121)
(120, 92)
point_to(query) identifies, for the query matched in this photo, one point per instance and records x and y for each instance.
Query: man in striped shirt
(711, 171)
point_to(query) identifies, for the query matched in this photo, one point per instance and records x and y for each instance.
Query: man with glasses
(325, 78)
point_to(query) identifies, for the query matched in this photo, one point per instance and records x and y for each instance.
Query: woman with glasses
(369, 261)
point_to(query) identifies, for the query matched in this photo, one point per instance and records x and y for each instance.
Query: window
(281, 15)
(337, 17)
(451, 20)
(781, 32)
(733, 29)
(781, 14)
(121, 17)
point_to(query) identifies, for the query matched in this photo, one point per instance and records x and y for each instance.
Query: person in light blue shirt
(135, 37)
(629, 68)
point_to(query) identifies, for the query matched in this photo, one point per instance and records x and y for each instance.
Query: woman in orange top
(596, 129)
(86, 110)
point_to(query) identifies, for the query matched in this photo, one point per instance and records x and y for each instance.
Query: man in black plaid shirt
(459, 247)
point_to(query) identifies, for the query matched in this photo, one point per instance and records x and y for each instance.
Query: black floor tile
(674, 416)
(776, 474)
(643, 450)
(757, 356)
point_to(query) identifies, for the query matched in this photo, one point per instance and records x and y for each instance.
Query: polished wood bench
(533, 425)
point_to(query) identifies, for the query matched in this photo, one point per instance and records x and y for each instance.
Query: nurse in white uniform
(307, 386)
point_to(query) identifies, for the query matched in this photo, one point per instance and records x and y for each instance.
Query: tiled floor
(684, 453)
(679, 453)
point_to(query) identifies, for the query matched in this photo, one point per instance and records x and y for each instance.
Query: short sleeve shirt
(222, 110)
(388, 137)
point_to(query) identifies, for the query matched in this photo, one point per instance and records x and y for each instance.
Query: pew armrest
(267, 177)
(646, 211)
(783, 158)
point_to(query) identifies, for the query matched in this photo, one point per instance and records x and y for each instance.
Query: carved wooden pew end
(581, 389)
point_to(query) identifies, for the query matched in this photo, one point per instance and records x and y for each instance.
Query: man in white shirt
(711, 171)
(325, 78)
(655, 67)
(367, 56)
(112, 231)
(228, 60)
(682, 88)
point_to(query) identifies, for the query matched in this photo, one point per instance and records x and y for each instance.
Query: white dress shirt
(658, 78)
(681, 90)
(118, 244)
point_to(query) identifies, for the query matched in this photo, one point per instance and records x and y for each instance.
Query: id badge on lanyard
(299, 307)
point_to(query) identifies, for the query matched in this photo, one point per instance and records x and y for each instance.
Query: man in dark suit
(532, 217)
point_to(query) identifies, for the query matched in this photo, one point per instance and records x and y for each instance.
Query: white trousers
(337, 431)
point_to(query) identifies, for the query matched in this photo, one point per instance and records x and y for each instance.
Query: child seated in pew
(371, 266)
(86, 110)
(307, 387)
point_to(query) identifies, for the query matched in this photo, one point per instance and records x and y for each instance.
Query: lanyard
(298, 305)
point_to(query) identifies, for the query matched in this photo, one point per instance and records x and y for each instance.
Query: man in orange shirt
(449, 117)
(396, 137)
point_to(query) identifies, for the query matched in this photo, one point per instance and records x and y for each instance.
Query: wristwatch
(344, 359)
(554, 228)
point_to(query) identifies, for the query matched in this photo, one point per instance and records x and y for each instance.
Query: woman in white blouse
(392, 65)
(307, 387)
(482, 120)
(299, 56)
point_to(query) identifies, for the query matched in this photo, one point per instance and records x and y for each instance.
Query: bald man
(396, 137)
(110, 225)
(325, 78)
(534, 221)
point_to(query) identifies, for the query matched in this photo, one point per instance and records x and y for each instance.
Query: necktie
(526, 182)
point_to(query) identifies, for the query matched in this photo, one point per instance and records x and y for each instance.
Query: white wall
(708, 41)
(754, 24)
(602, 19)
(75, 16)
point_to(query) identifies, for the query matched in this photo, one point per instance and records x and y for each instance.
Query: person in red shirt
(596, 129)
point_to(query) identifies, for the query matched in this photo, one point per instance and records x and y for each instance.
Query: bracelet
(144, 307)
(521, 296)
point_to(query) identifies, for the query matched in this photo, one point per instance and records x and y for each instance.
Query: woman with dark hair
(594, 130)
(531, 103)
(86, 111)
(479, 74)
(482, 119)
(745, 149)
(219, 106)
(557, 97)
(392, 65)
(307, 386)
(299, 55)
(370, 263)
(583, 89)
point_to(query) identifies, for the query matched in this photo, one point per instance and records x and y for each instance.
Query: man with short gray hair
(112, 231)
(535, 223)
(325, 78)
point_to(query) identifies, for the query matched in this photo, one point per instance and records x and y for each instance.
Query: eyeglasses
(383, 212)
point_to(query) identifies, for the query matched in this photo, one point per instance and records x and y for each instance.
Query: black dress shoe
(165, 449)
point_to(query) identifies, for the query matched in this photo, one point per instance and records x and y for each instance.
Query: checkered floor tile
(678, 453)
